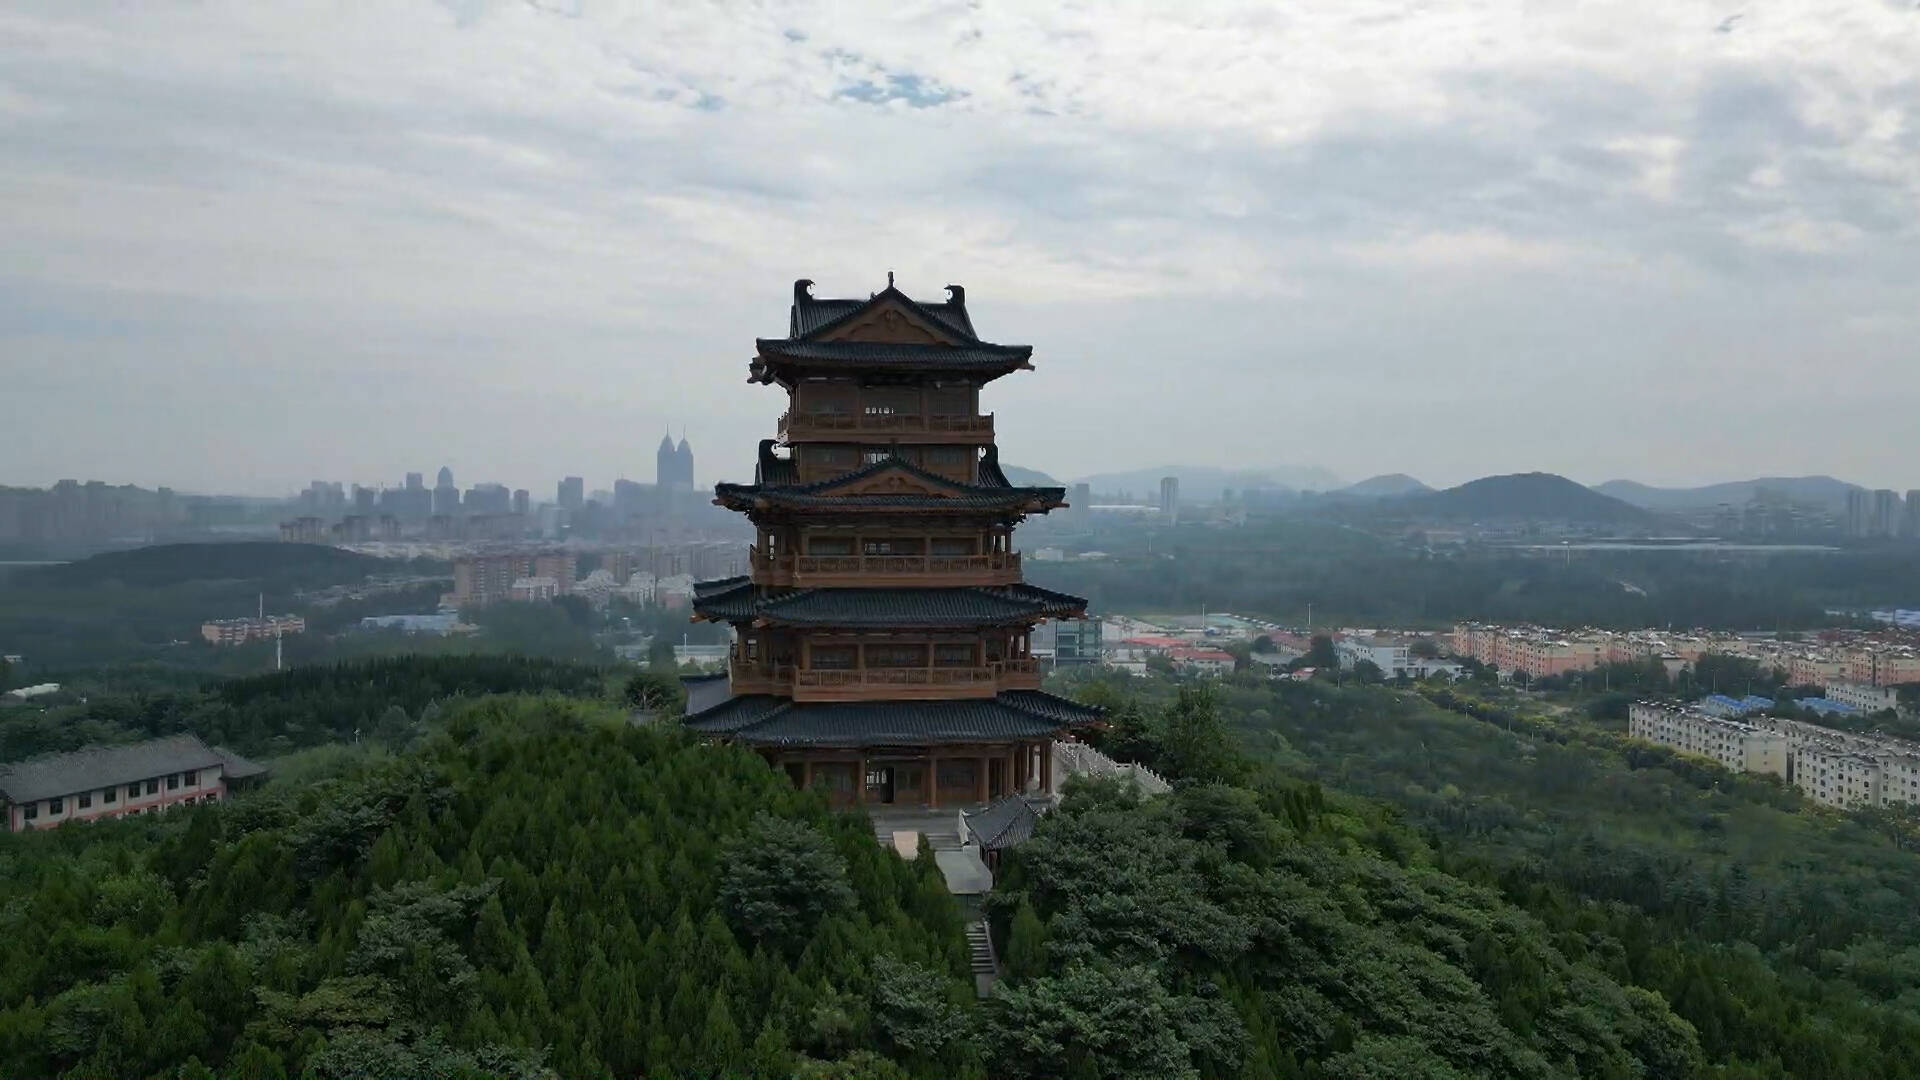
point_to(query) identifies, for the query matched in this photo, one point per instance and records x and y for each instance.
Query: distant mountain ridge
(1020, 477)
(1823, 491)
(1384, 486)
(1532, 496)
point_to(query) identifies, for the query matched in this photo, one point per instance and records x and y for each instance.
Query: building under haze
(572, 494)
(446, 497)
(673, 465)
(883, 631)
(1170, 498)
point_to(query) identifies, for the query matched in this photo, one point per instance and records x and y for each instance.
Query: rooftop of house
(105, 766)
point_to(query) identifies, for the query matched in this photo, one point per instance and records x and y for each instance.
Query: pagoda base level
(948, 776)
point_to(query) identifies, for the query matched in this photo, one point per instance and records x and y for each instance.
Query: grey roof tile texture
(105, 766)
(762, 719)
(737, 600)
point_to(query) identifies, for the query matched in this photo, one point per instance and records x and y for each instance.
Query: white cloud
(586, 179)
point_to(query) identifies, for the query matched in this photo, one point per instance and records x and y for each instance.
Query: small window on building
(110, 796)
(873, 455)
(173, 781)
(153, 787)
(56, 806)
(191, 778)
(32, 811)
(86, 801)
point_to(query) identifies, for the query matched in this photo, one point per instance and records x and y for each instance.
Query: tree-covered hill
(541, 891)
(382, 699)
(1784, 934)
(278, 565)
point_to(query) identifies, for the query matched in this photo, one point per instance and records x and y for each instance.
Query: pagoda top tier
(888, 334)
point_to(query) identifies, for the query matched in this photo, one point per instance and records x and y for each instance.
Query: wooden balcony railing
(827, 684)
(828, 425)
(995, 569)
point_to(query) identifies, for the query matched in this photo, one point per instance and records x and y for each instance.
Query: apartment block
(1740, 746)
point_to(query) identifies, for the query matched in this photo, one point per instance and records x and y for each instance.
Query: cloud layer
(253, 243)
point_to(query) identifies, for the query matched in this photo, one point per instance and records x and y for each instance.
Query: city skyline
(1646, 241)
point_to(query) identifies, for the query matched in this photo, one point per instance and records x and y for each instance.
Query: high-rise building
(1082, 500)
(417, 482)
(446, 497)
(1912, 530)
(522, 501)
(1170, 497)
(883, 637)
(673, 465)
(1858, 519)
(573, 493)
(363, 499)
(1886, 512)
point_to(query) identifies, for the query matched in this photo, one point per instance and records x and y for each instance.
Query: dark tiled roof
(104, 766)
(979, 355)
(765, 720)
(981, 605)
(772, 470)
(1004, 823)
(992, 492)
(235, 767)
(705, 691)
(810, 316)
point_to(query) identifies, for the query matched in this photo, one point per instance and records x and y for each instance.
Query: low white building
(22, 693)
(1739, 746)
(1870, 699)
(1837, 777)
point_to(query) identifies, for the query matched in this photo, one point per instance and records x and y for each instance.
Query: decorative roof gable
(887, 317)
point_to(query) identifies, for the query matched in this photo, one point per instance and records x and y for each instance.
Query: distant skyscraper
(416, 482)
(363, 498)
(522, 501)
(1170, 497)
(1857, 520)
(673, 466)
(1886, 512)
(1913, 514)
(573, 493)
(1082, 501)
(446, 497)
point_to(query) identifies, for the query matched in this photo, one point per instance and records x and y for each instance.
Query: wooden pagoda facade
(882, 640)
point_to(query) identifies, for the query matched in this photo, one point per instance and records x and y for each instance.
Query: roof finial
(889, 279)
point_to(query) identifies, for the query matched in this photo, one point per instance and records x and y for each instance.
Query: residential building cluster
(117, 781)
(1834, 768)
(1882, 514)
(241, 631)
(1832, 659)
(661, 574)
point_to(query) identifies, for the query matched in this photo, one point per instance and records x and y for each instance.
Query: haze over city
(255, 244)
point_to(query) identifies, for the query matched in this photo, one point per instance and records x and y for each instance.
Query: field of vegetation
(1786, 935)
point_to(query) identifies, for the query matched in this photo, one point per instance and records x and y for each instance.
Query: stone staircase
(980, 956)
(940, 827)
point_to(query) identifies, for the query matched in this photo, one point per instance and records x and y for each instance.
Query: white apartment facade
(1739, 746)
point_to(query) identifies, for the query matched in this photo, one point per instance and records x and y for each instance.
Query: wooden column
(933, 780)
(806, 775)
(1046, 767)
(860, 781)
(980, 782)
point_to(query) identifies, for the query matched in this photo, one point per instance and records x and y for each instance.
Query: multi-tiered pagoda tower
(882, 640)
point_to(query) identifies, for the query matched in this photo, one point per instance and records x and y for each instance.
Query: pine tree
(1026, 943)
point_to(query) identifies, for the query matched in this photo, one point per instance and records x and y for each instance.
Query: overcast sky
(245, 244)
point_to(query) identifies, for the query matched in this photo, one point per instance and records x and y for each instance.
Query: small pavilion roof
(1004, 823)
(766, 720)
(739, 600)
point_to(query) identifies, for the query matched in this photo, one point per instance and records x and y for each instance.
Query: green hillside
(279, 565)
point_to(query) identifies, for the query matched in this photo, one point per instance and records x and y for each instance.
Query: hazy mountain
(1204, 483)
(1385, 486)
(1531, 496)
(1823, 491)
(1020, 477)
